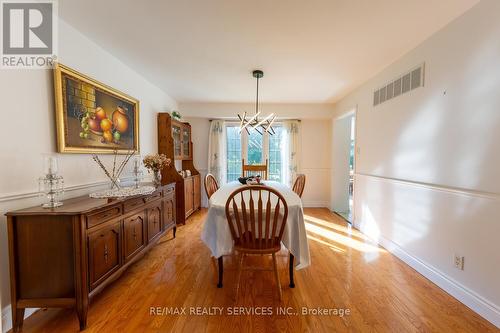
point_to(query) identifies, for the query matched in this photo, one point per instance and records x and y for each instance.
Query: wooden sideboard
(64, 256)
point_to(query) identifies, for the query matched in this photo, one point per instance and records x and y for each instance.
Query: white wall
(316, 140)
(316, 161)
(427, 183)
(200, 128)
(28, 130)
(230, 110)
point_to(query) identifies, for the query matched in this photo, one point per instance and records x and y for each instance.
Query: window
(275, 149)
(254, 148)
(233, 146)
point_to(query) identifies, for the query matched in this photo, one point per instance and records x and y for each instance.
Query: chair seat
(270, 250)
(258, 246)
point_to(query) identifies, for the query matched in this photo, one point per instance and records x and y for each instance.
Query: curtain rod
(237, 120)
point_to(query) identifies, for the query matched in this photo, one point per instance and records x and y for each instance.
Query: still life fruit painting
(92, 117)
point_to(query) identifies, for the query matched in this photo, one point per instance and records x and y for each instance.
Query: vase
(157, 178)
(120, 120)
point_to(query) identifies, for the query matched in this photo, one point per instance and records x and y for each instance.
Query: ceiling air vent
(404, 83)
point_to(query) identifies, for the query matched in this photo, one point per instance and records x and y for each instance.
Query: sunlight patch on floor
(333, 247)
(337, 237)
(348, 229)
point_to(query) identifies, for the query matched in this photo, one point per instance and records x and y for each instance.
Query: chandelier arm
(249, 122)
(264, 120)
(242, 119)
(270, 126)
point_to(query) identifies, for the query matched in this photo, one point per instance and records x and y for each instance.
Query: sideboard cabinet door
(104, 253)
(134, 235)
(188, 196)
(169, 212)
(196, 192)
(154, 222)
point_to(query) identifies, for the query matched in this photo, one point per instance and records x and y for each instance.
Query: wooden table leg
(290, 269)
(17, 318)
(81, 285)
(82, 316)
(17, 313)
(175, 230)
(221, 270)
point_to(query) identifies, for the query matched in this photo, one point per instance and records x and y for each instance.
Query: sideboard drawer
(168, 191)
(103, 216)
(154, 196)
(169, 194)
(132, 204)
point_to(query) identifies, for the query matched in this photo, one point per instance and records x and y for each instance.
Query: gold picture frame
(92, 117)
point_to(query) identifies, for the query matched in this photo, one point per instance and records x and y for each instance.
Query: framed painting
(92, 117)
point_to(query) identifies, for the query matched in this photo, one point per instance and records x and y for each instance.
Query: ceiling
(310, 51)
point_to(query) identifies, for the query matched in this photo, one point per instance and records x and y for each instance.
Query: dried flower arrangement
(156, 162)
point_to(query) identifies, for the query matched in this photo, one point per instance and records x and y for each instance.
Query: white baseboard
(475, 302)
(7, 318)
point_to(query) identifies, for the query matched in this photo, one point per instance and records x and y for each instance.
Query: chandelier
(261, 125)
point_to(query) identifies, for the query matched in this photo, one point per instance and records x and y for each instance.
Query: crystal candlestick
(137, 177)
(51, 185)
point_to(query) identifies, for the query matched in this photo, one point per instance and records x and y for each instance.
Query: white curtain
(217, 151)
(290, 151)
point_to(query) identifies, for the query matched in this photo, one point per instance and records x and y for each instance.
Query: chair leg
(220, 266)
(238, 276)
(214, 264)
(276, 275)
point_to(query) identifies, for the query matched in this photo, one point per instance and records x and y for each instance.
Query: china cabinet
(174, 140)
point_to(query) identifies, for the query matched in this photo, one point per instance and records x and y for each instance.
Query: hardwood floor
(382, 293)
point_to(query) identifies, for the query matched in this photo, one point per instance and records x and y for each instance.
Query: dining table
(217, 236)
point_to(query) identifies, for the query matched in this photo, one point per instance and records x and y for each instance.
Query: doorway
(343, 164)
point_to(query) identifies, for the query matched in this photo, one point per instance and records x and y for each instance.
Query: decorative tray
(123, 192)
(254, 183)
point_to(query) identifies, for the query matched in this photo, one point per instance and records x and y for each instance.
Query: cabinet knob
(106, 253)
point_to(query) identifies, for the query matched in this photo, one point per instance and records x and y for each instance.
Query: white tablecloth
(217, 237)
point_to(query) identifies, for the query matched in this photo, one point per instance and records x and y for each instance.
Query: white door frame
(352, 112)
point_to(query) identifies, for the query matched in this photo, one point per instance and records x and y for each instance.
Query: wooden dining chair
(257, 217)
(254, 169)
(211, 185)
(300, 183)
